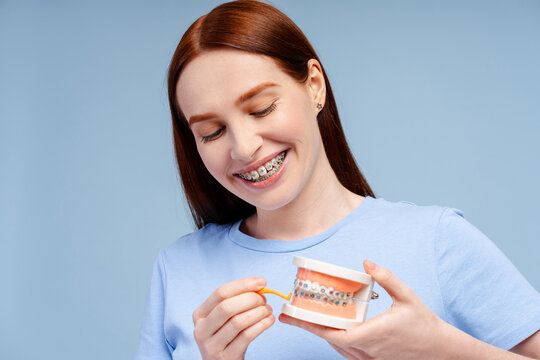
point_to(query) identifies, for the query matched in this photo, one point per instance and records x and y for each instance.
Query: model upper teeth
(314, 291)
(263, 172)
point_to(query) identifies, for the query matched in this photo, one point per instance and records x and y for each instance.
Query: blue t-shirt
(454, 268)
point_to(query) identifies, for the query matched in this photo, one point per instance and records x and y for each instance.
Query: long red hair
(256, 27)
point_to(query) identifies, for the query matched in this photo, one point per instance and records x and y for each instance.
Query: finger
(336, 336)
(238, 323)
(238, 346)
(394, 287)
(226, 291)
(228, 309)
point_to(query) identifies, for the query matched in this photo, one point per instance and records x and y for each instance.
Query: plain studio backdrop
(440, 101)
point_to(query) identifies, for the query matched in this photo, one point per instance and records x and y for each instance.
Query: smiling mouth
(266, 170)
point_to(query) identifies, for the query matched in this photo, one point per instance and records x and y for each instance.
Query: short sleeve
(483, 293)
(152, 342)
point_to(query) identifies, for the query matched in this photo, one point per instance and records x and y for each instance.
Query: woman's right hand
(231, 318)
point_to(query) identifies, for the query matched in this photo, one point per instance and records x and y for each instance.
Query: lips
(268, 179)
(258, 164)
(266, 171)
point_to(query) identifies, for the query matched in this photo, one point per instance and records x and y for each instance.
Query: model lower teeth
(265, 171)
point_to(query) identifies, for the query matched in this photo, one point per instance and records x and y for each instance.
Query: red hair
(255, 27)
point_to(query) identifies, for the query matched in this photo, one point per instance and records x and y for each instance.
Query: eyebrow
(241, 99)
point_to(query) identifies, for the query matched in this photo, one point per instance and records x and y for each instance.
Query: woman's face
(254, 125)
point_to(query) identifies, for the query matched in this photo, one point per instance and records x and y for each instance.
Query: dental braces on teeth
(266, 170)
(325, 294)
(347, 309)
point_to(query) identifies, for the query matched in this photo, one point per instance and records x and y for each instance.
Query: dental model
(329, 295)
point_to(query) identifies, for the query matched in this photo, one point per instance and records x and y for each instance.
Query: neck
(322, 203)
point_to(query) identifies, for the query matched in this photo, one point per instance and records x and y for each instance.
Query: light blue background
(440, 102)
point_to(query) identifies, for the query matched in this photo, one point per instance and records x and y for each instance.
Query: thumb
(397, 289)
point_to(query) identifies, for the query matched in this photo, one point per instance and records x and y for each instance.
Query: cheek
(297, 121)
(214, 160)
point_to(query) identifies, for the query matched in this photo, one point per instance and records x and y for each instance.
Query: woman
(268, 174)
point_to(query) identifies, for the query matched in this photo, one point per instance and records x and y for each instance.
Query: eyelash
(262, 113)
(266, 111)
(205, 139)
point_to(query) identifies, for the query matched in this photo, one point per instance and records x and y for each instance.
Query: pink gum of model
(339, 284)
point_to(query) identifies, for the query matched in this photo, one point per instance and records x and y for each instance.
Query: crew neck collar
(281, 246)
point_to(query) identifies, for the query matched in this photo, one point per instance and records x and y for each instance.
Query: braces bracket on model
(326, 294)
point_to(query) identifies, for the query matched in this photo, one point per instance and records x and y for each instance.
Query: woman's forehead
(218, 77)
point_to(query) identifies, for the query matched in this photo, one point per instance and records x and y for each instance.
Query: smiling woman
(253, 28)
(268, 174)
(255, 114)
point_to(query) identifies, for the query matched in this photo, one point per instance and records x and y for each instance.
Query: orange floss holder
(270, 291)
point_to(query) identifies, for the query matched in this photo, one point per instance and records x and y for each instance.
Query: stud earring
(319, 106)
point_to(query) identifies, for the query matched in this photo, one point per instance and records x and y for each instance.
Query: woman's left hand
(408, 330)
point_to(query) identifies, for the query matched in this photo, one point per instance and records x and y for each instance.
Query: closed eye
(205, 139)
(266, 111)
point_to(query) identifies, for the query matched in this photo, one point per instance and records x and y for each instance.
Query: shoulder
(430, 229)
(411, 215)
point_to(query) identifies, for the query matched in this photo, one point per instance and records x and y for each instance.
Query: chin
(270, 205)
(268, 200)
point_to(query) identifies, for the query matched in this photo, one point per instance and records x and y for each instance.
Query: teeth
(266, 170)
(318, 292)
(330, 291)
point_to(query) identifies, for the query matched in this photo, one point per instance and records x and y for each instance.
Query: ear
(315, 82)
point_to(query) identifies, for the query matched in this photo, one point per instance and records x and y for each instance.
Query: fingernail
(260, 281)
(370, 265)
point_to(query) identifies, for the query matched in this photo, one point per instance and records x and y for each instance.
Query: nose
(245, 142)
